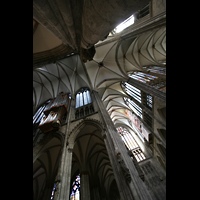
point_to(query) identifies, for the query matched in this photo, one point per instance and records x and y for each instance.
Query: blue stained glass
(52, 193)
(75, 189)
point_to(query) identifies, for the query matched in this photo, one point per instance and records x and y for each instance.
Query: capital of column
(70, 150)
(84, 173)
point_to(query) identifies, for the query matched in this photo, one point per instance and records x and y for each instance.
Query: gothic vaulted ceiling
(76, 26)
(90, 152)
(104, 73)
(46, 166)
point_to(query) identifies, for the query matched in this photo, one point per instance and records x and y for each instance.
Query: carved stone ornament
(104, 135)
(124, 169)
(70, 150)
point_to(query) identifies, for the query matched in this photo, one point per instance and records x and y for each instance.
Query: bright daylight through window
(124, 24)
(131, 143)
(83, 98)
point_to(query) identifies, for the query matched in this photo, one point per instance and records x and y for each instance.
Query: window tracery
(83, 98)
(131, 143)
(83, 103)
(137, 102)
(134, 107)
(132, 91)
(153, 80)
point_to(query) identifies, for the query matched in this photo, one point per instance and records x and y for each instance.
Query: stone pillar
(66, 175)
(129, 183)
(66, 161)
(95, 193)
(48, 189)
(85, 186)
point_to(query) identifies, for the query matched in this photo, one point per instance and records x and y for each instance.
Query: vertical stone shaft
(135, 189)
(85, 186)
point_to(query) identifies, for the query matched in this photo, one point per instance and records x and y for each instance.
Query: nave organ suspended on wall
(53, 114)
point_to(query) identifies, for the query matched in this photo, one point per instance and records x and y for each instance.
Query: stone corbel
(70, 150)
(103, 133)
(123, 167)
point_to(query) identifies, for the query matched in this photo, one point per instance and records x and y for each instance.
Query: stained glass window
(138, 126)
(140, 76)
(75, 191)
(132, 91)
(131, 143)
(156, 69)
(153, 80)
(53, 191)
(134, 107)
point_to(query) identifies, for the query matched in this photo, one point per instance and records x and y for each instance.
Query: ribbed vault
(45, 168)
(66, 75)
(146, 49)
(90, 154)
(118, 58)
(104, 73)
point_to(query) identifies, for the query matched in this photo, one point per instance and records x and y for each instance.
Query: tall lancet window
(75, 191)
(134, 107)
(83, 97)
(131, 143)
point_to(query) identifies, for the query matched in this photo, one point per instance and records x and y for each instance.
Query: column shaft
(129, 184)
(85, 186)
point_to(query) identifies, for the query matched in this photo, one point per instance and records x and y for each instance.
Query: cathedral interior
(99, 100)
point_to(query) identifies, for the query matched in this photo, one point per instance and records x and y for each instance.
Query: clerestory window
(132, 91)
(153, 80)
(131, 143)
(83, 97)
(134, 107)
(126, 23)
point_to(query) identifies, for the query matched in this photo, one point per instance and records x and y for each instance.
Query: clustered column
(85, 186)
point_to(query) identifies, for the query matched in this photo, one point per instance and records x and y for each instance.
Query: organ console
(54, 112)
